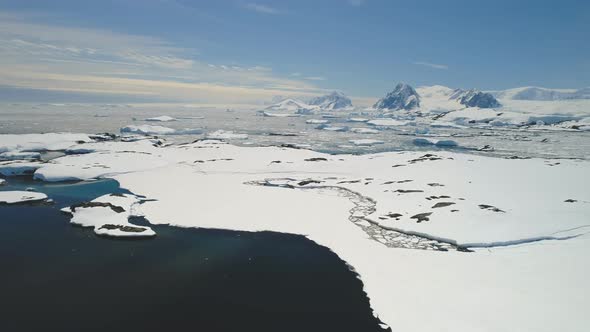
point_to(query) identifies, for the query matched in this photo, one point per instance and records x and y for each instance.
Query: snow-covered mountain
(537, 93)
(333, 101)
(402, 97)
(474, 98)
(290, 105)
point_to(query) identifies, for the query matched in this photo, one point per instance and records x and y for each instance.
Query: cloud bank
(51, 57)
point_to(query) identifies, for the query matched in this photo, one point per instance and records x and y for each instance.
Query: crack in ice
(363, 207)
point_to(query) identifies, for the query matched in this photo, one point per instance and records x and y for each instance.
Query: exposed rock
(486, 148)
(349, 181)
(474, 98)
(490, 207)
(115, 208)
(408, 191)
(129, 229)
(425, 157)
(442, 204)
(394, 215)
(420, 217)
(306, 182)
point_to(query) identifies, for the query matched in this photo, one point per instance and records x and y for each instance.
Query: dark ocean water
(58, 277)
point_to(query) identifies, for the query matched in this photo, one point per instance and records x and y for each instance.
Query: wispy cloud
(260, 8)
(431, 65)
(315, 78)
(52, 57)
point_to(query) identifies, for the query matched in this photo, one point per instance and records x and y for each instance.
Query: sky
(234, 52)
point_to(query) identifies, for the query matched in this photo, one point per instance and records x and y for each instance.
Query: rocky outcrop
(474, 98)
(402, 97)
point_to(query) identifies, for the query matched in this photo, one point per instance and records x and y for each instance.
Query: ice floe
(280, 115)
(358, 120)
(225, 134)
(163, 118)
(19, 155)
(108, 215)
(333, 128)
(18, 167)
(316, 121)
(364, 131)
(158, 130)
(17, 197)
(365, 142)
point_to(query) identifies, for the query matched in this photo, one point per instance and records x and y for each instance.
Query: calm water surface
(58, 277)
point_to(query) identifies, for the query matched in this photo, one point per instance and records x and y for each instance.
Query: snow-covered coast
(404, 221)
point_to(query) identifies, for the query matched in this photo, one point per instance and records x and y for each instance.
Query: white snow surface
(528, 106)
(293, 106)
(40, 142)
(14, 197)
(538, 93)
(535, 264)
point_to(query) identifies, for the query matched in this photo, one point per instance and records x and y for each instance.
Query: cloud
(264, 9)
(315, 78)
(52, 57)
(356, 3)
(431, 65)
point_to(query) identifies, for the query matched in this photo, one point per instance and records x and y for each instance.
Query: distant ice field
(500, 141)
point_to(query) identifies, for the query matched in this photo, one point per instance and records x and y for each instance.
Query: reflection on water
(58, 277)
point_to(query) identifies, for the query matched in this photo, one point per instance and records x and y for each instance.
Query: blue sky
(245, 52)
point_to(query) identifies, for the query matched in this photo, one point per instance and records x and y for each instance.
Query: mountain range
(536, 93)
(405, 97)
